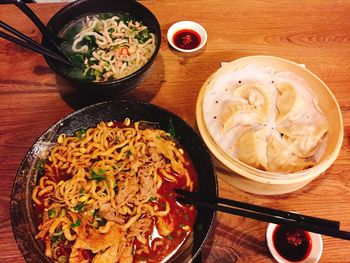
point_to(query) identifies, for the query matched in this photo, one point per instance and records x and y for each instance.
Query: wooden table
(315, 33)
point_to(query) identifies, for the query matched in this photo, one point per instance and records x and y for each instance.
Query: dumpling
(304, 129)
(239, 113)
(288, 103)
(282, 159)
(250, 107)
(302, 146)
(303, 138)
(252, 148)
(256, 95)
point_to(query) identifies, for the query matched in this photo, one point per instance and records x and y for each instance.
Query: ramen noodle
(266, 119)
(109, 46)
(106, 195)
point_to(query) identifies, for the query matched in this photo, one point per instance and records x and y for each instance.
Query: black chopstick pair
(29, 43)
(309, 223)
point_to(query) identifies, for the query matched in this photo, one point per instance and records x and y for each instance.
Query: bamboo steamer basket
(250, 179)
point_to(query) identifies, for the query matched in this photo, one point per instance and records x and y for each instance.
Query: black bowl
(23, 220)
(83, 8)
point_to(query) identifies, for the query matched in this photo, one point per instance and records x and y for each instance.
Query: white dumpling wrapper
(238, 113)
(252, 148)
(256, 96)
(282, 159)
(289, 104)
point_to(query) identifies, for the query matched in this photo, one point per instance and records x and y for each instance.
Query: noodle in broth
(109, 46)
(106, 195)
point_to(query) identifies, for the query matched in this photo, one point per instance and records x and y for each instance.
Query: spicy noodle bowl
(108, 46)
(106, 195)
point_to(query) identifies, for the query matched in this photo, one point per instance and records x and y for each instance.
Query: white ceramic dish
(257, 181)
(313, 257)
(182, 25)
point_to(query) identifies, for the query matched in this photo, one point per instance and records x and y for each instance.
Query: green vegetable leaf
(143, 36)
(128, 153)
(57, 236)
(55, 239)
(76, 224)
(71, 33)
(125, 17)
(152, 199)
(52, 213)
(79, 206)
(105, 16)
(76, 58)
(89, 41)
(41, 167)
(111, 30)
(99, 175)
(80, 134)
(171, 128)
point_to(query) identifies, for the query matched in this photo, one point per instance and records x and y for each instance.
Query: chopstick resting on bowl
(29, 43)
(309, 223)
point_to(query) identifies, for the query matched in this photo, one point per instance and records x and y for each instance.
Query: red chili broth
(182, 214)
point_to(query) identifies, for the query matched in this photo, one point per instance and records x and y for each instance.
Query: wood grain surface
(312, 32)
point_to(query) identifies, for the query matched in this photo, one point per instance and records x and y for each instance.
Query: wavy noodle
(114, 47)
(105, 181)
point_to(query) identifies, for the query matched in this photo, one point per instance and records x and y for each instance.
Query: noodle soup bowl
(23, 212)
(79, 10)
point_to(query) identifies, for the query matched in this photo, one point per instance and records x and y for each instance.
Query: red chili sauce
(186, 39)
(181, 215)
(291, 243)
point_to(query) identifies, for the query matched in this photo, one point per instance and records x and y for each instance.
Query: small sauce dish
(187, 36)
(288, 245)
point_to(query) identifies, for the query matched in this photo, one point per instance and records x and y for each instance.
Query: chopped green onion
(171, 128)
(152, 199)
(80, 134)
(79, 206)
(143, 36)
(41, 167)
(76, 224)
(52, 213)
(170, 237)
(128, 153)
(99, 175)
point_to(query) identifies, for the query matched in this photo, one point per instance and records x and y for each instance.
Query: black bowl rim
(145, 67)
(13, 206)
